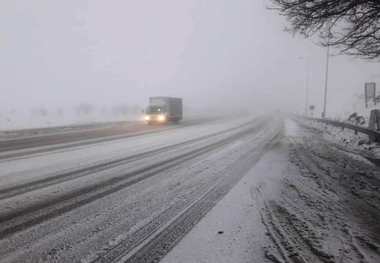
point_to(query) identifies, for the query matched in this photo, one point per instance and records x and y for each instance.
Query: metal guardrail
(374, 136)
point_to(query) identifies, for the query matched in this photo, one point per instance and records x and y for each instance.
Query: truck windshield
(155, 109)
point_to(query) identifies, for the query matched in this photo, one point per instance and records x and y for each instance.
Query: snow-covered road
(242, 190)
(38, 141)
(118, 199)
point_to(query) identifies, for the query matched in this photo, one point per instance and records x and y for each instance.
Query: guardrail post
(374, 124)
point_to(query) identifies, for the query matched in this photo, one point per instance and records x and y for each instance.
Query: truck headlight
(147, 117)
(161, 118)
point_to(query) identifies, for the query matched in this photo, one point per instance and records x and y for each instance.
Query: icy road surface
(19, 143)
(245, 190)
(130, 199)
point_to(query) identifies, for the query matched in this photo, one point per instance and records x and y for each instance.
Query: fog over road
(189, 131)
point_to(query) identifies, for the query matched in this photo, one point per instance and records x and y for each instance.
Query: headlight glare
(161, 118)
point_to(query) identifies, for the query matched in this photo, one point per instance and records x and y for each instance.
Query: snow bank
(346, 138)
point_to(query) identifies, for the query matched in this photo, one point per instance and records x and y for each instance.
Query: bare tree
(351, 25)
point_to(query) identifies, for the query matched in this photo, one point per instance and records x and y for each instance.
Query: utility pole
(306, 84)
(326, 80)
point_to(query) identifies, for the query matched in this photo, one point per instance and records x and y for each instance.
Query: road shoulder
(304, 201)
(232, 231)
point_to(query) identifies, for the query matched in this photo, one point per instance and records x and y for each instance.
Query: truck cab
(163, 110)
(156, 114)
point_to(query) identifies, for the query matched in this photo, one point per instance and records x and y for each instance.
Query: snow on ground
(59, 130)
(16, 120)
(304, 201)
(346, 138)
(48, 164)
(291, 128)
(93, 229)
(232, 231)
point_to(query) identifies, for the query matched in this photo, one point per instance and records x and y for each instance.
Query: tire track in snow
(153, 247)
(18, 149)
(77, 173)
(18, 220)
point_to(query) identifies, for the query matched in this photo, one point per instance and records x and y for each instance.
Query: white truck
(164, 110)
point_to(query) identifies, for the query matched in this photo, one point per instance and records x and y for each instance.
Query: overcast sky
(215, 52)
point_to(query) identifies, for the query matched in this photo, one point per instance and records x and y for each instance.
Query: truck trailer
(164, 110)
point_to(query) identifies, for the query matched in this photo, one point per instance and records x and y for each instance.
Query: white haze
(231, 55)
